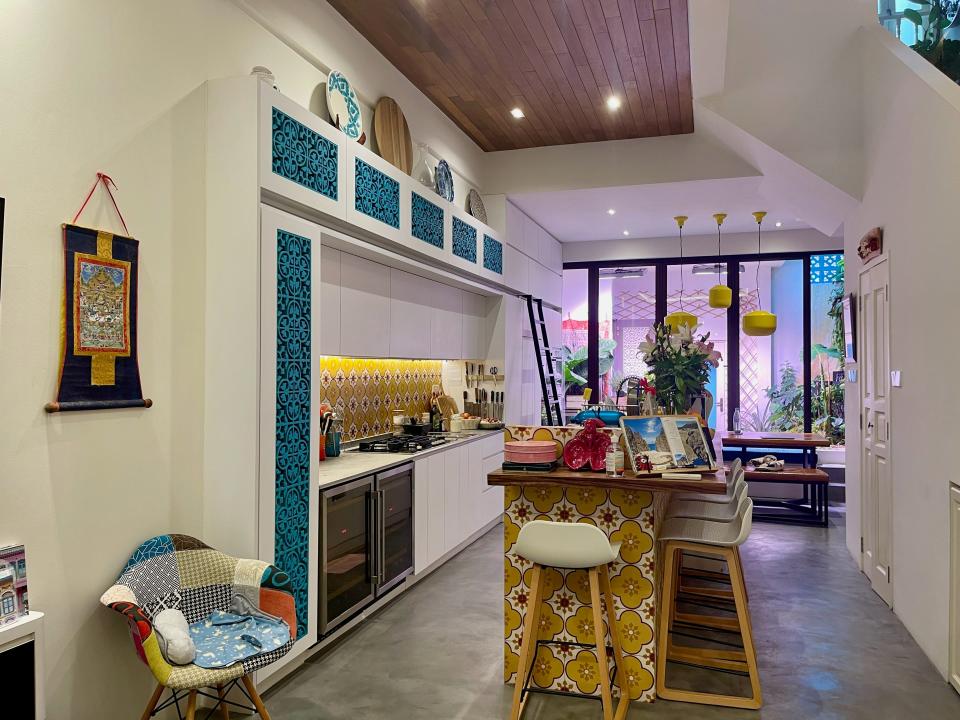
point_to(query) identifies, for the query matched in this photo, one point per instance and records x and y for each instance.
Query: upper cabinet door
(302, 157)
(531, 238)
(550, 253)
(514, 229)
(377, 195)
(330, 301)
(516, 271)
(474, 326)
(364, 307)
(410, 313)
(446, 331)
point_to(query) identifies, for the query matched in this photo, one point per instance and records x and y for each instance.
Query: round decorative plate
(475, 206)
(392, 134)
(444, 181)
(343, 106)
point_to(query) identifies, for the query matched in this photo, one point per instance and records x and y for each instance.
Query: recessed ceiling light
(613, 103)
(517, 113)
(611, 211)
(779, 224)
(626, 232)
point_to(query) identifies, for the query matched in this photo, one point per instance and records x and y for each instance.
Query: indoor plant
(679, 364)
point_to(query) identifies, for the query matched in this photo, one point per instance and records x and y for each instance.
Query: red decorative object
(871, 245)
(588, 447)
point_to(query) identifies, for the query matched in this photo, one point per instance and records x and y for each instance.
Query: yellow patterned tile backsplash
(366, 392)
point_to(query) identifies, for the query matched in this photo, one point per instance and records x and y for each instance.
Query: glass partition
(627, 312)
(573, 339)
(827, 346)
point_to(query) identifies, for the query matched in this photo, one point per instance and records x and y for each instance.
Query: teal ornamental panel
(304, 156)
(492, 254)
(292, 529)
(426, 220)
(464, 240)
(376, 194)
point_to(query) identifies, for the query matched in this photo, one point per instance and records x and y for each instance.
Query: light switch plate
(851, 375)
(895, 378)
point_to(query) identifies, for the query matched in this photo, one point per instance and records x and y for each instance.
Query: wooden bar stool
(570, 546)
(721, 540)
(735, 478)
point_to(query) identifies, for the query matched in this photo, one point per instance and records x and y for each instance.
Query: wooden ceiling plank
(645, 89)
(681, 42)
(568, 29)
(668, 65)
(661, 4)
(651, 54)
(631, 28)
(644, 9)
(599, 25)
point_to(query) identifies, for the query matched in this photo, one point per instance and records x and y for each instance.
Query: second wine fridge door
(395, 552)
(347, 569)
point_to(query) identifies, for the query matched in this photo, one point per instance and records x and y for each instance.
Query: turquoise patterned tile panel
(376, 194)
(304, 156)
(426, 220)
(464, 240)
(292, 488)
(492, 254)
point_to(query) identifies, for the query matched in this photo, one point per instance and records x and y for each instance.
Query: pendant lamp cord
(719, 279)
(757, 281)
(681, 268)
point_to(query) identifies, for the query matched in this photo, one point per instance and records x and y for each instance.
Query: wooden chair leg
(736, 557)
(192, 705)
(152, 703)
(746, 630)
(624, 705)
(224, 709)
(255, 696)
(600, 636)
(666, 616)
(528, 646)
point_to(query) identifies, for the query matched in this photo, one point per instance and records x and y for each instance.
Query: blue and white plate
(444, 179)
(343, 106)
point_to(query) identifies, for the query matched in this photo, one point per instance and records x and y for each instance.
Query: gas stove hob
(401, 444)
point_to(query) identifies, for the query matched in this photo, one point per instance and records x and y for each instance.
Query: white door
(955, 587)
(875, 473)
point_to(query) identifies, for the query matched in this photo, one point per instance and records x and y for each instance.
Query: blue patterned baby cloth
(223, 638)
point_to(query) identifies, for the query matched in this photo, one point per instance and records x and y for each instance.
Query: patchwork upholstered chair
(180, 572)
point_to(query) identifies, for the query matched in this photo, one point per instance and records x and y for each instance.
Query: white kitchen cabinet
(549, 252)
(531, 237)
(546, 284)
(364, 307)
(428, 511)
(474, 324)
(514, 226)
(954, 670)
(330, 301)
(409, 310)
(454, 462)
(516, 270)
(446, 331)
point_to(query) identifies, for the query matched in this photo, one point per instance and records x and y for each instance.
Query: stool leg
(192, 705)
(746, 630)
(224, 709)
(247, 681)
(528, 647)
(668, 600)
(601, 639)
(154, 699)
(624, 704)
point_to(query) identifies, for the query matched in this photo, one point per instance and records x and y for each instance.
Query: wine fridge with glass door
(366, 531)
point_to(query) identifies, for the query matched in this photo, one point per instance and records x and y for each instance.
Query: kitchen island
(627, 509)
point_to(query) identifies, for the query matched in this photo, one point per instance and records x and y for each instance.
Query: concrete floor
(828, 648)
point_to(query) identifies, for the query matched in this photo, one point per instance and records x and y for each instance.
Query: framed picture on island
(13, 584)
(657, 444)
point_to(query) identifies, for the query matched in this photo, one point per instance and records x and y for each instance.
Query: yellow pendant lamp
(759, 323)
(679, 318)
(721, 296)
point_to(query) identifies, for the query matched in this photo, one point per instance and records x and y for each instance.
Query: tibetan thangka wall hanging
(98, 331)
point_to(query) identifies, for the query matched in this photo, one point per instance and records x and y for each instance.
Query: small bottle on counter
(614, 460)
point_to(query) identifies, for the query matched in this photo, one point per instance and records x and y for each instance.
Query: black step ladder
(546, 363)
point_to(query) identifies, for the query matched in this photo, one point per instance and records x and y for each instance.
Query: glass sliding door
(771, 368)
(688, 288)
(627, 303)
(827, 346)
(573, 339)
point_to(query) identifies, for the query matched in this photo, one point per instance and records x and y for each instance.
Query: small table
(814, 507)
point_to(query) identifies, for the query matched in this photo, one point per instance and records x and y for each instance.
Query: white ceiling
(647, 211)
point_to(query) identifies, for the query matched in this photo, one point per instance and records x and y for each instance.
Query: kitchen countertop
(561, 477)
(352, 464)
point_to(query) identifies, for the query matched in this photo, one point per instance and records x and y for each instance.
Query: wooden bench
(812, 509)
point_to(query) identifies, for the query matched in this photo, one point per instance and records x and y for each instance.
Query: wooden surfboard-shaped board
(392, 134)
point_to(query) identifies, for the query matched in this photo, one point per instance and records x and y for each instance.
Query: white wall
(910, 117)
(108, 85)
(694, 245)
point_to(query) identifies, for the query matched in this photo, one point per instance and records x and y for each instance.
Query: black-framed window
(792, 380)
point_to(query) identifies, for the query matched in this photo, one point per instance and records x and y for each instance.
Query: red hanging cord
(107, 182)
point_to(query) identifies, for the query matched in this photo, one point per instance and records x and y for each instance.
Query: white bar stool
(570, 546)
(722, 540)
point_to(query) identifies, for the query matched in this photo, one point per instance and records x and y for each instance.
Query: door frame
(884, 590)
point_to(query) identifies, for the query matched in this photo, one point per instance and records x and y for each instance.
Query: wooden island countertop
(715, 482)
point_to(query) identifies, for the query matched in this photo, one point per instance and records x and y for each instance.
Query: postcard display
(663, 443)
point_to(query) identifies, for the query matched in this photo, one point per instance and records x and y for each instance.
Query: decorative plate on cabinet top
(343, 106)
(444, 179)
(392, 134)
(475, 206)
